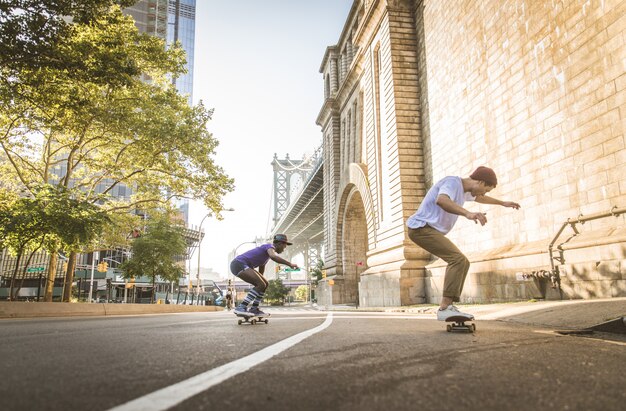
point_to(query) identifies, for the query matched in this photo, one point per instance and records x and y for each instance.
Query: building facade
(416, 90)
(173, 21)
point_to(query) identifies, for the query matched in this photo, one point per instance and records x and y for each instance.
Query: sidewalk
(39, 310)
(566, 314)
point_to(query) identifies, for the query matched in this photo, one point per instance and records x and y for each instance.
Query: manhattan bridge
(298, 205)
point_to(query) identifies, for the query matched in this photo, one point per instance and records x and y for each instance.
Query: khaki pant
(438, 244)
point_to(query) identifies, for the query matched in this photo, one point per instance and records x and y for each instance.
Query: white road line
(349, 317)
(395, 317)
(175, 394)
(582, 336)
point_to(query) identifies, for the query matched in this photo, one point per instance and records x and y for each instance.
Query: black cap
(281, 238)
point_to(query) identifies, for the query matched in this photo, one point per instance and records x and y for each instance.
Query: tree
(54, 219)
(20, 231)
(276, 292)
(32, 30)
(98, 137)
(99, 128)
(156, 253)
(316, 272)
(302, 292)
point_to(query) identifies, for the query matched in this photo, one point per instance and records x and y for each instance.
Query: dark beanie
(485, 174)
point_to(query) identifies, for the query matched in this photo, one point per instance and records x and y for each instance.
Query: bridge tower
(284, 170)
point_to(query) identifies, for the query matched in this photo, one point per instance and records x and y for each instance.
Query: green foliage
(276, 291)
(96, 126)
(316, 272)
(302, 293)
(155, 253)
(52, 217)
(77, 118)
(31, 31)
(21, 222)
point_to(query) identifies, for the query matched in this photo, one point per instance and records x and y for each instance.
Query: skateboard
(252, 319)
(458, 324)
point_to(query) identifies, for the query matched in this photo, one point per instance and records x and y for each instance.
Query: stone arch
(355, 226)
(354, 245)
(356, 180)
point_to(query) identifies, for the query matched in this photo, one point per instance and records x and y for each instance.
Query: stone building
(419, 89)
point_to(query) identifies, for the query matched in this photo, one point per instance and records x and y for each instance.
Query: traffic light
(277, 268)
(131, 283)
(103, 266)
(323, 273)
(64, 266)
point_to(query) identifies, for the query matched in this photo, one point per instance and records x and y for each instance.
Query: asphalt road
(342, 361)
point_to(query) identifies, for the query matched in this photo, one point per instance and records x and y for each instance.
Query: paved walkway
(567, 314)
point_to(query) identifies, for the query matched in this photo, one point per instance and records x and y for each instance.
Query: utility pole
(96, 255)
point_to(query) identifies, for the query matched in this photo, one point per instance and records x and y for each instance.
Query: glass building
(181, 23)
(173, 21)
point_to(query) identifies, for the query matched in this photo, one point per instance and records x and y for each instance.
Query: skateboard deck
(459, 324)
(251, 319)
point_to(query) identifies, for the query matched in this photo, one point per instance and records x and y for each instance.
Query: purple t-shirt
(256, 257)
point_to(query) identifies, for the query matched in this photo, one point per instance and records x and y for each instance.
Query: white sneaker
(452, 311)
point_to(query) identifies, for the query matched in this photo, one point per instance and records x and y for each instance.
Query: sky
(257, 65)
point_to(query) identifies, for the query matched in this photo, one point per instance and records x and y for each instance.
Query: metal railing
(554, 274)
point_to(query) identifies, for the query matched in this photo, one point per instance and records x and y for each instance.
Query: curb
(46, 310)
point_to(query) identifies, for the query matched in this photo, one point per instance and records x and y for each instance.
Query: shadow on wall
(423, 93)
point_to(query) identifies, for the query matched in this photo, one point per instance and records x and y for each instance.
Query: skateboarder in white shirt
(436, 216)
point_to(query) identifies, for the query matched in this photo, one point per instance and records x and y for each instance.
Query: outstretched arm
(274, 256)
(491, 200)
(450, 206)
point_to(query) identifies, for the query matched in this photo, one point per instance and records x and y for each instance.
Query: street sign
(35, 269)
(292, 269)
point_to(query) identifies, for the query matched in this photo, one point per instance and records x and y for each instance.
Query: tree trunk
(153, 289)
(18, 259)
(52, 270)
(69, 277)
(30, 257)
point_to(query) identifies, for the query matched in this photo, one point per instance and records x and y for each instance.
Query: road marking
(583, 336)
(175, 394)
(350, 317)
(395, 317)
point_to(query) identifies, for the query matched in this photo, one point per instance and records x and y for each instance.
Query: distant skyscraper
(150, 17)
(181, 23)
(171, 20)
(181, 27)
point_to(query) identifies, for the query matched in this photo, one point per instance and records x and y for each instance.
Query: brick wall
(538, 92)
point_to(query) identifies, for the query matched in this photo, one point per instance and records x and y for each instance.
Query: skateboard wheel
(449, 328)
(266, 321)
(253, 322)
(473, 327)
(239, 322)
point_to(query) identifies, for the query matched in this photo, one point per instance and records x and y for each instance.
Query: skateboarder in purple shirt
(437, 215)
(243, 266)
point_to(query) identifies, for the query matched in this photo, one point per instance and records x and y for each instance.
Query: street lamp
(199, 244)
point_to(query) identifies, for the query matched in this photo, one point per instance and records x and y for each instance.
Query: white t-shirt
(429, 213)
